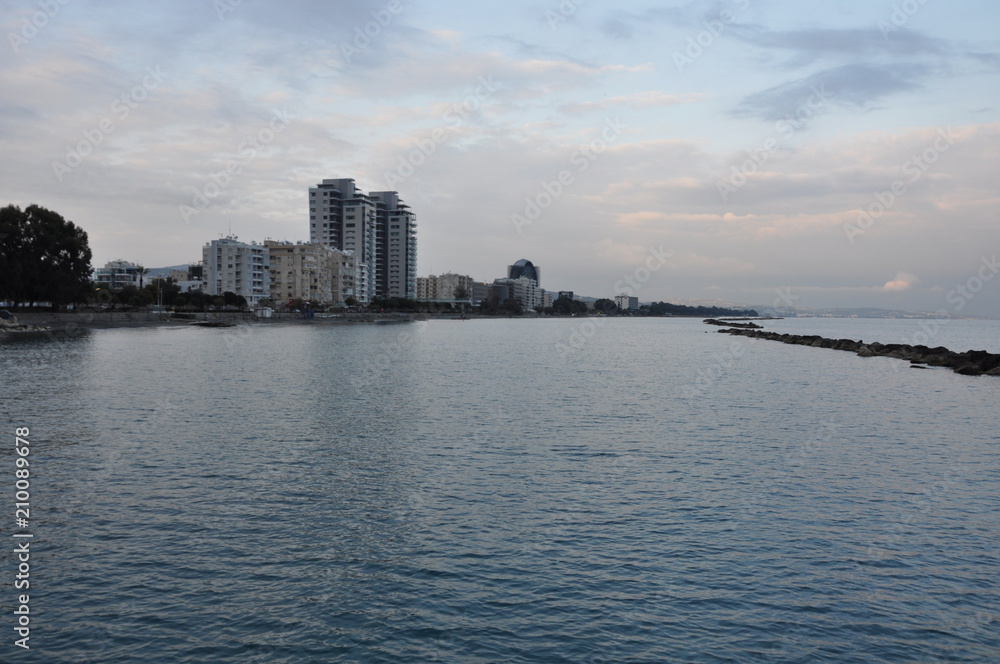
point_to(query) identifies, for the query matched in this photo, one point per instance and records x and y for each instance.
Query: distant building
(524, 268)
(237, 267)
(627, 302)
(116, 274)
(444, 286)
(524, 289)
(480, 292)
(568, 294)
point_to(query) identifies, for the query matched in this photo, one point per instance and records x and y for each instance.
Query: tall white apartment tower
(341, 216)
(396, 246)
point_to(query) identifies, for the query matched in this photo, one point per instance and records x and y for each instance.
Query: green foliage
(605, 305)
(567, 306)
(43, 257)
(231, 299)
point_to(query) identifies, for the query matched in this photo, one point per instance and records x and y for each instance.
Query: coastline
(63, 322)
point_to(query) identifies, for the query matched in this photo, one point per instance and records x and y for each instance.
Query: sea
(514, 490)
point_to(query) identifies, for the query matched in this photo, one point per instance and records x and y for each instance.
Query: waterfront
(458, 491)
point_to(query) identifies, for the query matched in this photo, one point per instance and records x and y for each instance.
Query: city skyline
(830, 156)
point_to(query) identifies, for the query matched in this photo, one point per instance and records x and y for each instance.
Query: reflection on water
(460, 491)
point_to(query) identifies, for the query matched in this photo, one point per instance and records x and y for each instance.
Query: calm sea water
(510, 490)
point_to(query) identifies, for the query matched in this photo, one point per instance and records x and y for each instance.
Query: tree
(606, 305)
(565, 305)
(43, 257)
(461, 294)
(142, 272)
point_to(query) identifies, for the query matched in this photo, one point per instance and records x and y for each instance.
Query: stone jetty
(10, 325)
(969, 363)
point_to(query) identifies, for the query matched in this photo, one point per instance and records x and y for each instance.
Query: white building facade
(237, 267)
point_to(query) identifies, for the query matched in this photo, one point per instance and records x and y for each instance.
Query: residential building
(311, 272)
(116, 274)
(627, 302)
(444, 286)
(396, 246)
(233, 266)
(568, 294)
(342, 217)
(378, 227)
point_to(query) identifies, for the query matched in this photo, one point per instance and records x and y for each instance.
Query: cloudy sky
(819, 152)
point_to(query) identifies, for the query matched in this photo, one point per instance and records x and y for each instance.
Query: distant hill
(157, 272)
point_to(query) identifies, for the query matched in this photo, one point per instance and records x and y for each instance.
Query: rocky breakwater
(969, 363)
(729, 323)
(10, 325)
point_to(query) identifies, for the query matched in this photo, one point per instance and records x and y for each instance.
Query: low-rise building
(311, 272)
(116, 274)
(444, 287)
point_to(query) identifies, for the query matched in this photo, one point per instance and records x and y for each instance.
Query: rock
(969, 370)
(865, 351)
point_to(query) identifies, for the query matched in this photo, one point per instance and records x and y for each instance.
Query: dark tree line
(43, 257)
(665, 309)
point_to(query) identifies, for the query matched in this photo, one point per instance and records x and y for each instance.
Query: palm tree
(142, 272)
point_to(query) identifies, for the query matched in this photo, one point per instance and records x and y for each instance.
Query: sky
(834, 153)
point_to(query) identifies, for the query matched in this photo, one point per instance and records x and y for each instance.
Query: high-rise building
(341, 216)
(378, 227)
(396, 246)
(233, 266)
(525, 268)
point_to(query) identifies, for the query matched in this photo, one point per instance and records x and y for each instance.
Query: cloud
(638, 100)
(903, 281)
(856, 86)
